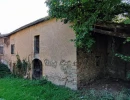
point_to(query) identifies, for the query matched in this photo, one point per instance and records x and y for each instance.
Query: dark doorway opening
(37, 69)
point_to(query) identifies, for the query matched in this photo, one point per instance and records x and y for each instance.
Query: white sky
(16, 13)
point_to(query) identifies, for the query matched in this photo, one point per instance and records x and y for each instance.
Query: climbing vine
(21, 66)
(83, 14)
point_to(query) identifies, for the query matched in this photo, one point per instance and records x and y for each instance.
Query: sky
(16, 13)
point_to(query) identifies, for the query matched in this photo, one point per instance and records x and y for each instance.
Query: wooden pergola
(112, 29)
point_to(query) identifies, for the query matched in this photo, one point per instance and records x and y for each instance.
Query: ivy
(84, 14)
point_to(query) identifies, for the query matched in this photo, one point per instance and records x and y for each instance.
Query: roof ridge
(26, 26)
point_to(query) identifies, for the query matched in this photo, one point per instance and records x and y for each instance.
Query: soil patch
(110, 85)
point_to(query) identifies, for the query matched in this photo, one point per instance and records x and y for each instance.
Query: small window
(5, 40)
(12, 48)
(1, 50)
(36, 44)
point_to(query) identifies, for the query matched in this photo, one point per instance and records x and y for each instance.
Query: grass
(21, 89)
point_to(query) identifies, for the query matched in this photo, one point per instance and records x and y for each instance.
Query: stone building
(46, 44)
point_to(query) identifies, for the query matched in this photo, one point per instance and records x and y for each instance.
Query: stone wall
(101, 62)
(92, 65)
(116, 67)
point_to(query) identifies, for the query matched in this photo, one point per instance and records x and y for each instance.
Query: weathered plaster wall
(1, 44)
(1, 41)
(57, 52)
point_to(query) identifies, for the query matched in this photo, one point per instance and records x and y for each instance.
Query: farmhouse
(45, 43)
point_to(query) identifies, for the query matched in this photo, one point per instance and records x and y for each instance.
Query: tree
(84, 14)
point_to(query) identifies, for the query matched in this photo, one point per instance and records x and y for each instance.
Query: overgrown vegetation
(127, 21)
(4, 70)
(21, 67)
(84, 14)
(20, 89)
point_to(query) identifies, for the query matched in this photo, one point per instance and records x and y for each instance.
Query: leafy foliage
(119, 19)
(21, 66)
(84, 14)
(127, 21)
(123, 57)
(4, 70)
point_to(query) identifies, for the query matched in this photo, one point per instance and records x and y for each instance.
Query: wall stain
(52, 63)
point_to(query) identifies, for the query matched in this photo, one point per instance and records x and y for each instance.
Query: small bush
(4, 71)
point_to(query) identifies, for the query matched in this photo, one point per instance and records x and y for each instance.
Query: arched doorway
(37, 69)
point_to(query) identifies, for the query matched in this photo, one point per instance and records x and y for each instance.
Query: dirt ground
(110, 85)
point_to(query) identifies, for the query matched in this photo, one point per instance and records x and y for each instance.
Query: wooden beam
(110, 33)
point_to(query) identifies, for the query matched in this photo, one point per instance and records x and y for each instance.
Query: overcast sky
(16, 13)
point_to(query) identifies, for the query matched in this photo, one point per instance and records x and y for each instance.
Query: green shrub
(127, 21)
(21, 67)
(4, 70)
